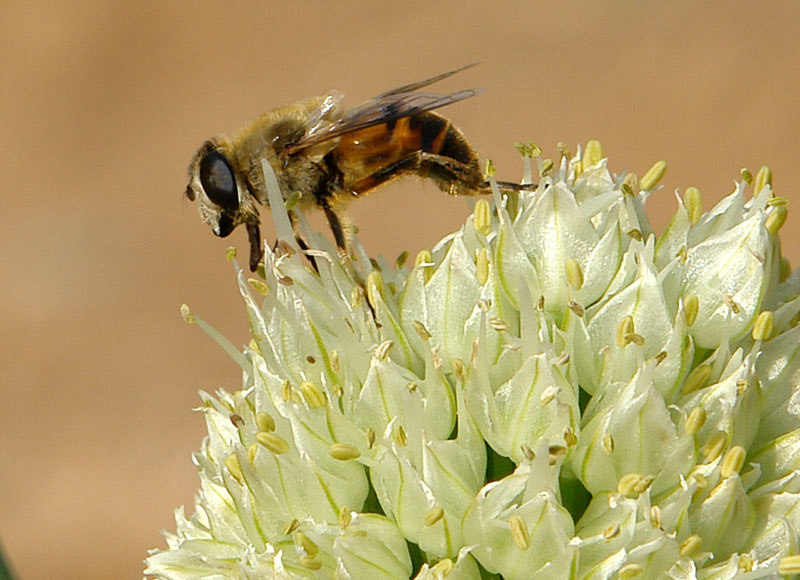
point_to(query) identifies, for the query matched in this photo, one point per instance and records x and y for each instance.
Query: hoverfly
(329, 156)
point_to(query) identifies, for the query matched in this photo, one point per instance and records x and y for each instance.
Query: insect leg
(256, 249)
(450, 175)
(336, 227)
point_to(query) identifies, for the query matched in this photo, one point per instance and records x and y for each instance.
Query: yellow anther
(653, 175)
(691, 306)
(629, 571)
(763, 178)
(424, 260)
(186, 314)
(310, 562)
(230, 253)
(548, 396)
(286, 391)
(746, 563)
(442, 568)
(777, 201)
(696, 379)
(264, 422)
(608, 444)
(789, 565)
(233, 467)
(764, 325)
(655, 516)
(253, 345)
(747, 177)
(400, 436)
(251, 453)
(695, 421)
(490, 168)
(382, 350)
(547, 167)
(634, 338)
(636, 234)
(630, 184)
(459, 369)
(624, 328)
(574, 273)
(343, 451)
(375, 288)
(333, 359)
(356, 296)
(776, 219)
(312, 394)
(306, 543)
(563, 150)
(401, 259)
(482, 217)
(345, 517)
(576, 308)
(291, 527)
(712, 448)
(693, 203)
(733, 461)
(275, 443)
(482, 266)
(258, 286)
(433, 515)
(631, 485)
(611, 532)
(529, 149)
(292, 200)
(421, 330)
(519, 532)
(593, 153)
(690, 545)
(731, 303)
(699, 480)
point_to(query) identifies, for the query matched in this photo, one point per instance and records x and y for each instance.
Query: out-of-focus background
(102, 105)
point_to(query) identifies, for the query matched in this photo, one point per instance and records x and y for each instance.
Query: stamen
(574, 273)
(275, 443)
(312, 394)
(763, 178)
(343, 451)
(764, 325)
(482, 266)
(653, 175)
(695, 421)
(482, 217)
(592, 153)
(433, 515)
(693, 203)
(519, 532)
(691, 306)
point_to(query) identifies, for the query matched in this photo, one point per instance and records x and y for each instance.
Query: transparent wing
(401, 102)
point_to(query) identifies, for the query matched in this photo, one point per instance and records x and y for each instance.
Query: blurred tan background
(102, 105)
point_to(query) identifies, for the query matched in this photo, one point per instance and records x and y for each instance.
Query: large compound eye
(216, 176)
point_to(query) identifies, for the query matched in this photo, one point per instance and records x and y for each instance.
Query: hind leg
(451, 176)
